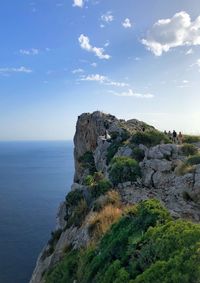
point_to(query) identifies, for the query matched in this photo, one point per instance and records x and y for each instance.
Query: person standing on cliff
(174, 134)
(170, 135)
(180, 138)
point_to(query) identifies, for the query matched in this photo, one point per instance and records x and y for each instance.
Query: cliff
(118, 164)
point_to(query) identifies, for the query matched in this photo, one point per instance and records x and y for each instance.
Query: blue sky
(134, 59)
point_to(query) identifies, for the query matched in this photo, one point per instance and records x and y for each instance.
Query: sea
(34, 178)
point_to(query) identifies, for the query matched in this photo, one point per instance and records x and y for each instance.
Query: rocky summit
(131, 183)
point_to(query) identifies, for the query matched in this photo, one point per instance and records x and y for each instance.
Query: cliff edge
(119, 164)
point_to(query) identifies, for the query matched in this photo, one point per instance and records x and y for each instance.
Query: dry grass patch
(183, 169)
(100, 222)
(112, 197)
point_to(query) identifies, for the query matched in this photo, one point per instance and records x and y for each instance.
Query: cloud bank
(103, 79)
(170, 33)
(32, 51)
(131, 93)
(21, 69)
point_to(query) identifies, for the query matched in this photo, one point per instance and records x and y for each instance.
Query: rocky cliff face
(99, 138)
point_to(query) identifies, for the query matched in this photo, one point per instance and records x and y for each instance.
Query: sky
(131, 58)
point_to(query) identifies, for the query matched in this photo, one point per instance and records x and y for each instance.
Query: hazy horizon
(133, 59)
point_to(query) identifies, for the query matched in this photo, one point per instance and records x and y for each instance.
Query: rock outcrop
(98, 133)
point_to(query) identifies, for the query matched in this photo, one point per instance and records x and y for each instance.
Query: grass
(101, 221)
(189, 149)
(193, 160)
(150, 138)
(184, 168)
(110, 198)
(191, 139)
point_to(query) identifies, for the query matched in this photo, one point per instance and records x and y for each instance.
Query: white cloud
(78, 3)
(107, 17)
(85, 44)
(21, 69)
(198, 63)
(107, 43)
(131, 93)
(189, 51)
(104, 80)
(96, 78)
(32, 51)
(94, 64)
(78, 71)
(170, 33)
(127, 23)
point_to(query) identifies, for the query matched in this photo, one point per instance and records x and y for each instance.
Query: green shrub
(150, 138)
(194, 160)
(89, 180)
(101, 187)
(65, 270)
(124, 169)
(97, 184)
(138, 154)
(189, 149)
(146, 246)
(73, 198)
(78, 214)
(112, 150)
(76, 208)
(191, 139)
(119, 243)
(87, 161)
(117, 140)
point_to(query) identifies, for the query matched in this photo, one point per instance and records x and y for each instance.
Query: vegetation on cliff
(107, 239)
(144, 246)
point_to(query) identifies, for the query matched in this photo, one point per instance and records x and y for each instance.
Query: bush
(138, 154)
(191, 139)
(150, 138)
(101, 221)
(189, 149)
(117, 140)
(73, 198)
(194, 160)
(87, 161)
(97, 184)
(76, 208)
(89, 180)
(119, 244)
(65, 270)
(146, 246)
(78, 214)
(112, 150)
(124, 169)
(101, 187)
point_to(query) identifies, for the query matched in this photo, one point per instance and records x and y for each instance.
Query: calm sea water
(34, 179)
